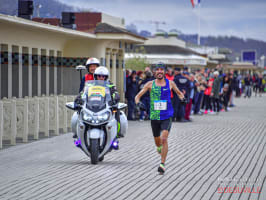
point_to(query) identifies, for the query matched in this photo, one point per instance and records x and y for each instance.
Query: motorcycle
(95, 121)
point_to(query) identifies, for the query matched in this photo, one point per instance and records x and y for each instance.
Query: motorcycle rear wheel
(94, 150)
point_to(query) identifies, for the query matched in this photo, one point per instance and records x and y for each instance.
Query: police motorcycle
(95, 123)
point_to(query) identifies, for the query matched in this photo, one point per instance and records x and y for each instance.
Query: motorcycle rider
(102, 73)
(91, 65)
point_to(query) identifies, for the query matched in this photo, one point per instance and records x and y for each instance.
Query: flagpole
(199, 26)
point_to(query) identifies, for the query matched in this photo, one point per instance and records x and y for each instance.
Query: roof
(173, 59)
(107, 28)
(240, 65)
(51, 21)
(166, 49)
(42, 26)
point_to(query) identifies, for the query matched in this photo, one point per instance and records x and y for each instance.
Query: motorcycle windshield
(97, 94)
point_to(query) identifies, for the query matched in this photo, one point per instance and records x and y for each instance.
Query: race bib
(96, 91)
(160, 105)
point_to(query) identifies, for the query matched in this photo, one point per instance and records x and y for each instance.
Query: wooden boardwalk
(215, 157)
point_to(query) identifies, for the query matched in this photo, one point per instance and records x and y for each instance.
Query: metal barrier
(24, 118)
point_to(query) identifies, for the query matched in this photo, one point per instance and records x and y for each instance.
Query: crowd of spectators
(207, 91)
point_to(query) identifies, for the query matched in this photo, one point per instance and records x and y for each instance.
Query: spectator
(248, 85)
(128, 73)
(132, 89)
(175, 98)
(145, 99)
(200, 87)
(190, 96)
(207, 93)
(224, 96)
(259, 87)
(169, 75)
(233, 85)
(140, 76)
(147, 69)
(215, 92)
(184, 85)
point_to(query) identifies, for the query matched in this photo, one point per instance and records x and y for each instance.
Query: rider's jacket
(87, 77)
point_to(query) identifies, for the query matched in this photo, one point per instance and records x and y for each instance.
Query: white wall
(22, 36)
(115, 21)
(159, 40)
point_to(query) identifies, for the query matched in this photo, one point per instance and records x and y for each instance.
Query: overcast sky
(242, 18)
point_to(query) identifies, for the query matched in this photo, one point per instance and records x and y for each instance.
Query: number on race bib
(160, 105)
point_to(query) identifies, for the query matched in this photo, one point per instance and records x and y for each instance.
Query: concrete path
(215, 157)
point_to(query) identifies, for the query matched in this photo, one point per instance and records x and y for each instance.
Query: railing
(26, 118)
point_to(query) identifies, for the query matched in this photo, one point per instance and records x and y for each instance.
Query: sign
(249, 56)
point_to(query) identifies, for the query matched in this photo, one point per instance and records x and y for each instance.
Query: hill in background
(236, 44)
(50, 8)
(54, 8)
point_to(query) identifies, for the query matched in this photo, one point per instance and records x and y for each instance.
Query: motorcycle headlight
(102, 117)
(86, 116)
(105, 116)
(96, 119)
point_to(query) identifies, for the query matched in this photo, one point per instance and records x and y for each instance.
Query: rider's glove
(79, 100)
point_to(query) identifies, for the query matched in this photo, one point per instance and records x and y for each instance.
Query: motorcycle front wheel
(94, 150)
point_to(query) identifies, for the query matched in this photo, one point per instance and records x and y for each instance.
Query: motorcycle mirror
(71, 105)
(121, 106)
(80, 67)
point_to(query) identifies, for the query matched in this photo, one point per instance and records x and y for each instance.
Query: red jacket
(89, 77)
(208, 90)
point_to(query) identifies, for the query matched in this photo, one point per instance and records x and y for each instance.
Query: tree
(139, 61)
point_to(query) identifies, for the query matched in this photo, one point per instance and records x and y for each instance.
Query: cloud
(240, 17)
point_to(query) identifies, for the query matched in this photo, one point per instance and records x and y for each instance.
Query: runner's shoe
(161, 169)
(159, 149)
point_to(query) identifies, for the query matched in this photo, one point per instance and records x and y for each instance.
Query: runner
(161, 110)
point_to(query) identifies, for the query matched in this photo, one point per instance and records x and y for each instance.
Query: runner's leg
(164, 141)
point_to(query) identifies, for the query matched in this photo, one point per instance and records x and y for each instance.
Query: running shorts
(159, 125)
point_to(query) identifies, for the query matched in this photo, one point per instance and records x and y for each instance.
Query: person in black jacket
(131, 91)
(248, 84)
(184, 86)
(145, 99)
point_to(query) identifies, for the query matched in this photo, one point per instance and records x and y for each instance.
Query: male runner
(161, 110)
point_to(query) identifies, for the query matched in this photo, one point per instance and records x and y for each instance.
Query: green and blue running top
(161, 95)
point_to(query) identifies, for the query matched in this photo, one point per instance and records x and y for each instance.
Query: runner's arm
(176, 90)
(146, 87)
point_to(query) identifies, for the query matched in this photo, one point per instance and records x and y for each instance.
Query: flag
(195, 2)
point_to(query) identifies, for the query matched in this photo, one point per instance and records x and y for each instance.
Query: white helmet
(92, 61)
(101, 71)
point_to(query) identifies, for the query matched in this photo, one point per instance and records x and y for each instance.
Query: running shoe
(206, 112)
(159, 149)
(161, 169)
